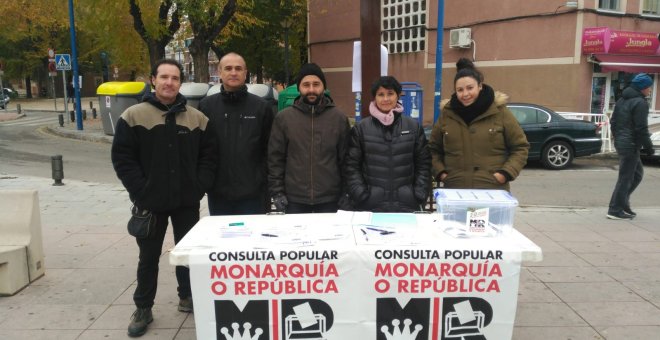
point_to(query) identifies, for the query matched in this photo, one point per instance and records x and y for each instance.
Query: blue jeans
(631, 171)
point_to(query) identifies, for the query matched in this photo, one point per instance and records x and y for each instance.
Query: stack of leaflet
(235, 229)
(387, 228)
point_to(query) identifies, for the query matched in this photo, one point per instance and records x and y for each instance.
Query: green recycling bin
(288, 95)
(115, 97)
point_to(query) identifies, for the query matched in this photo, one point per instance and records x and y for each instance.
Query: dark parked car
(553, 139)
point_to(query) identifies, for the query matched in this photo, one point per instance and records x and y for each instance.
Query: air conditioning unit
(460, 38)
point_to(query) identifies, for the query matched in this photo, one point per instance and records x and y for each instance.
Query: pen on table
(381, 231)
(364, 232)
(269, 235)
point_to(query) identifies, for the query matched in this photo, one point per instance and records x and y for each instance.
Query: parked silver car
(654, 129)
(4, 100)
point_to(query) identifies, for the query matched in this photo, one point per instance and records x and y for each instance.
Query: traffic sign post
(2, 87)
(63, 63)
(52, 73)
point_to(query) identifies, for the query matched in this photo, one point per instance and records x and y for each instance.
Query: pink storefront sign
(595, 40)
(627, 42)
(604, 40)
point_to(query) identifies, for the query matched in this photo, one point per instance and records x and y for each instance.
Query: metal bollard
(18, 108)
(72, 115)
(91, 105)
(84, 114)
(60, 119)
(94, 113)
(58, 169)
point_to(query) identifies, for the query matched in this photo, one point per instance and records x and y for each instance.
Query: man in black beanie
(306, 149)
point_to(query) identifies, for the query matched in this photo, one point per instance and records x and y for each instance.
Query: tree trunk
(28, 87)
(156, 52)
(200, 55)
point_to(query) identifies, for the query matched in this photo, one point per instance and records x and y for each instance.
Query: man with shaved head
(242, 123)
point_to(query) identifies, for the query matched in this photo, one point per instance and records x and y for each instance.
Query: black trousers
(631, 172)
(299, 208)
(183, 219)
(250, 206)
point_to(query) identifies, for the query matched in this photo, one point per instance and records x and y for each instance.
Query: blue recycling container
(412, 99)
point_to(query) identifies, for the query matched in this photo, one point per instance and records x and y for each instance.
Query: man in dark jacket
(629, 124)
(306, 149)
(165, 157)
(242, 123)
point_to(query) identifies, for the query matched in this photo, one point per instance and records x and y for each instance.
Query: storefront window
(607, 88)
(598, 93)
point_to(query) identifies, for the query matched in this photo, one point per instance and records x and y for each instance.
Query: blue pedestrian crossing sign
(63, 62)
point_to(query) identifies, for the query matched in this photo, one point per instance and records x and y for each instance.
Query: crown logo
(237, 334)
(397, 334)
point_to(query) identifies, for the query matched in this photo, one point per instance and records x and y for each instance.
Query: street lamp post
(286, 24)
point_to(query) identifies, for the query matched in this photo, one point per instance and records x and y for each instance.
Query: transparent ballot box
(476, 212)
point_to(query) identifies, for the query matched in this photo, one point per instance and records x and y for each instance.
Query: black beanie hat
(310, 69)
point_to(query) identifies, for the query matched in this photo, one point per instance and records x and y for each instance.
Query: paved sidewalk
(599, 278)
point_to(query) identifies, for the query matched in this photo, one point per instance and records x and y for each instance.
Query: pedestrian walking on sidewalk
(630, 131)
(70, 92)
(165, 155)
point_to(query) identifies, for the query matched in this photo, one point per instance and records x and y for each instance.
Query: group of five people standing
(305, 158)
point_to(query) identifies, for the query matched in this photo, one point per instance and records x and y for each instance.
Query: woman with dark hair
(387, 165)
(476, 143)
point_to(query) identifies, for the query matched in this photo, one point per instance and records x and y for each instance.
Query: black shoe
(619, 216)
(186, 305)
(140, 319)
(629, 211)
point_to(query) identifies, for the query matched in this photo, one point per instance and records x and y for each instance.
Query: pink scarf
(386, 118)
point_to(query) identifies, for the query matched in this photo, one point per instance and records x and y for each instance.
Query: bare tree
(156, 42)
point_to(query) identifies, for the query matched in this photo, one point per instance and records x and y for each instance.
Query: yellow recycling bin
(115, 97)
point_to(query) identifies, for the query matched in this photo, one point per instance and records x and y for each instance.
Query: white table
(317, 276)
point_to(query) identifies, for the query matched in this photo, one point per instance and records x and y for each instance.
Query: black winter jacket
(164, 155)
(388, 167)
(242, 123)
(629, 122)
(306, 152)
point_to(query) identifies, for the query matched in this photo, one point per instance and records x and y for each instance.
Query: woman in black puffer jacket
(387, 168)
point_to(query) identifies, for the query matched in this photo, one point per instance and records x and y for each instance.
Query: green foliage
(261, 42)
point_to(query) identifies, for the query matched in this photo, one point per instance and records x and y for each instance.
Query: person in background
(242, 123)
(388, 164)
(630, 131)
(476, 143)
(70, 92)
(165, 157)
(306, 149)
